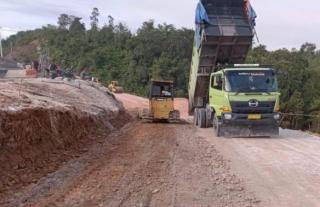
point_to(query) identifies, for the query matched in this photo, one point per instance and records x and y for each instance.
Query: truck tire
(202, 118)
(216, 126)
(209, 118)
(195, 117)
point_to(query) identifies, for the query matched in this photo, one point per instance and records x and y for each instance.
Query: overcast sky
(285, 23)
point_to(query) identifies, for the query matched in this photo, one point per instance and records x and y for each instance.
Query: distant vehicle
(114, 87)
(161, 103)
(67, 73)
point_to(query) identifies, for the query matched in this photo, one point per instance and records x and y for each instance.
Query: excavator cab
(161, 102)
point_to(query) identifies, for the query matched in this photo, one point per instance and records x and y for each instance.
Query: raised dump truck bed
(224, 33)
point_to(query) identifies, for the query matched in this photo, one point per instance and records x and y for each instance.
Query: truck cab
(244, 95)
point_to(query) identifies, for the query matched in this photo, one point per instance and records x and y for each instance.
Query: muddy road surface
(153, 164)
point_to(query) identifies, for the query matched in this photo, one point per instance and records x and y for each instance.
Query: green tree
(94, 18)
(76, 26)
(64, 21)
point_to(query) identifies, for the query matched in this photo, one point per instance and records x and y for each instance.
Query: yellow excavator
(161, 103)
(114, 87)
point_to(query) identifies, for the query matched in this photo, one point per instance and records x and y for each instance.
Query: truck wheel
(195, 117)
(209, 119)
(202, 118)
(216, 126)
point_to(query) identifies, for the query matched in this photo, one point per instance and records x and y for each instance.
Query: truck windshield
(251, 81)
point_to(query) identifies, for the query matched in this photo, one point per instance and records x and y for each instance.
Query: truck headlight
(227, 116)
(225, 109)
(276, 116)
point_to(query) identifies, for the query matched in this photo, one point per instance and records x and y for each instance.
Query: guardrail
(301, 121)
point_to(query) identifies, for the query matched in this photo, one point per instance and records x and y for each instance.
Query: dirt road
(134, 103)
(147, 164)
(141, 165)
(283, 171)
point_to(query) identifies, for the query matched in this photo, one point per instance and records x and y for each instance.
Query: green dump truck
(236, 99)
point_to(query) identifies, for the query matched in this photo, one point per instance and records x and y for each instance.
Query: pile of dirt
(44, 123)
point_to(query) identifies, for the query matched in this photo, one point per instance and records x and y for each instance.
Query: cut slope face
(44, 123)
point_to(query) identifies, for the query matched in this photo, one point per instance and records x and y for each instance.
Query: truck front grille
(242, 107)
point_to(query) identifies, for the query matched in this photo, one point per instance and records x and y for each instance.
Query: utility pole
(12, 31)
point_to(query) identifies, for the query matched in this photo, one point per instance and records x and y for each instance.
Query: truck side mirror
(219, 80)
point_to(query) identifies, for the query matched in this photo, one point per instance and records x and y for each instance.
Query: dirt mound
(45, 123)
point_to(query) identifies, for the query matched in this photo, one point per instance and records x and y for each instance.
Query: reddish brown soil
(143, 164)
(158, 164)
(41, 127)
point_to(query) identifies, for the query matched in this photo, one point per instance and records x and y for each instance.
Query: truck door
(216, 93)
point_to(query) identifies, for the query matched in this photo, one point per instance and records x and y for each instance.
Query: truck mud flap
(249, 131)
